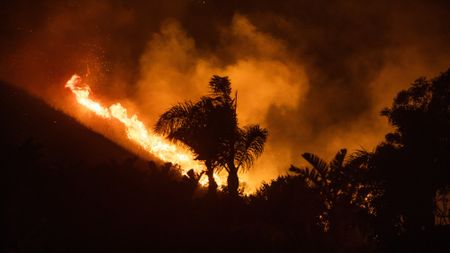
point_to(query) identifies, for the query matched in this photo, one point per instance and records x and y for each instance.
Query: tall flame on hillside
(136, 130)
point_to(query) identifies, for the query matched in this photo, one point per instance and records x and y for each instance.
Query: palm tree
(210, 129)
(241, 147)
(325, 177)
(207, 127)
(341, 183)
(195, 126)
(248, 146)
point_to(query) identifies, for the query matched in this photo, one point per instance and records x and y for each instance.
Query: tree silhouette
(248, 146)
(414, 161)
(204, 127)
(210, 129)
(341, 185)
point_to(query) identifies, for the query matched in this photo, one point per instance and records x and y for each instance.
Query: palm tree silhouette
(205, 127)
(341, 183)
(210, 129)
(328, 178)
(248, 146)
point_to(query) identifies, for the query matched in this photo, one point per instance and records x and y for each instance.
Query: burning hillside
(136, 131)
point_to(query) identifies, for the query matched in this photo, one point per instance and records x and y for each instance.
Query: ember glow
(137, 132)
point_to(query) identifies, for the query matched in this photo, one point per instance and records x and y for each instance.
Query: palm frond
(359, 159)
(174, 118)
(295, 169)
(338, 160)
(250, 146)
(317, 162)
(220, 86)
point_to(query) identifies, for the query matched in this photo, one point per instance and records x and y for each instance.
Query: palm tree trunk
(212, 185)
(233, 180)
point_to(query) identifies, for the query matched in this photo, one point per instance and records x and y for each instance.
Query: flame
(137, 132)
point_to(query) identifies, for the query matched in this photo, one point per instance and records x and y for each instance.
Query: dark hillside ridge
(25, 118)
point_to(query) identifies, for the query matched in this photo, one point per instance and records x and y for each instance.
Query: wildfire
(136, 130)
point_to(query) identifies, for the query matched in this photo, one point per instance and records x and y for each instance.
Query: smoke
(264, 75)
(316, 74)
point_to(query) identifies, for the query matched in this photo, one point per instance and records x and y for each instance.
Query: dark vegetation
(56, 198)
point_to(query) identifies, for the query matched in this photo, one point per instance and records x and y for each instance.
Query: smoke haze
(314, 73)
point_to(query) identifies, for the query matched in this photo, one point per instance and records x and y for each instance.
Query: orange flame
(137, 132)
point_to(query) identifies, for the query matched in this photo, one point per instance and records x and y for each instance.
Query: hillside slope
(65, 188)
(25, 118)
